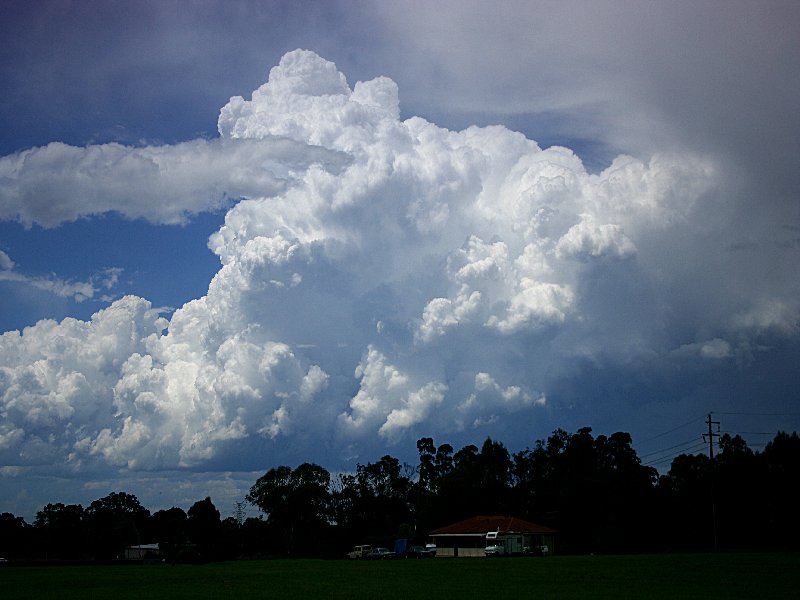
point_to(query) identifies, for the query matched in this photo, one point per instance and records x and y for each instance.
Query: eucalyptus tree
(114, 522)
(296, 502)
(204, 527)
(60, 531)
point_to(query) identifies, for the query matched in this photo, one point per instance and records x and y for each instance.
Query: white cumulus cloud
(377, 276)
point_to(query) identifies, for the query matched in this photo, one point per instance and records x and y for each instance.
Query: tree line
(594, 491)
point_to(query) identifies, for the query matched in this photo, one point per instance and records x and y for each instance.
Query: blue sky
(168, 264)
(219, 253)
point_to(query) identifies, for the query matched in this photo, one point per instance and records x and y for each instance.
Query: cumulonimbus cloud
(379, 278)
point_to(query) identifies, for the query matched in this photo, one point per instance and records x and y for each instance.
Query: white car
(359, 552)
(494, 550)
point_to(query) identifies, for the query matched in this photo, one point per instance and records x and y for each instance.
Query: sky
(237, 235)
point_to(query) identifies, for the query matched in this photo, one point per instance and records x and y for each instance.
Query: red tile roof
(482, 525)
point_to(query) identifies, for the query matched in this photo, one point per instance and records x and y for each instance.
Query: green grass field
(707, 576)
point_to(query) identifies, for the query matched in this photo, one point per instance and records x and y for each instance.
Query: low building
(142, 552)
(468, 538)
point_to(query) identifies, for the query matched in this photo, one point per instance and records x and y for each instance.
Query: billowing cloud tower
(380, 279)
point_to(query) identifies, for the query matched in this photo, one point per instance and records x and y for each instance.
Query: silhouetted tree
(686, 501)
(628, 491)
(170, 529)
(229, 543)
(427, 466)
(475, 482)
(593, 490)
(297, 503)
(61, 532)
(494, 478)
(344, 500)
(537, 476)
(254, 535)
(443, 461)
(16, 537)
(780, 466)
(383, 498)
(738, 490)
(434, 464)
(114, 522)
(571, 483)
(203, 526)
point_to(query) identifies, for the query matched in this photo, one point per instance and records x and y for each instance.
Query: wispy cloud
(76, 290)
(162, 184)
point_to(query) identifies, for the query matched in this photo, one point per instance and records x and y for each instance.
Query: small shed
(468, 537)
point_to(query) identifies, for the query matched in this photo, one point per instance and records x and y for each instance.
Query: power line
(692, 446)
(666, 459)
(694, 441)
(752, 432)
(691, 450)
(761, 414)
(655, 437)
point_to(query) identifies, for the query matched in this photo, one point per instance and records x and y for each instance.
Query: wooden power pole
(711, 435)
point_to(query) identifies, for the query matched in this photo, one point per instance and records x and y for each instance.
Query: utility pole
(711, 436)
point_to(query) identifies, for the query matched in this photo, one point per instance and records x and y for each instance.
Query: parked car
(420, 552)
(380, 554)
(359, 551)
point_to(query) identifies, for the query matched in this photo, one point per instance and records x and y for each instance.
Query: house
(469, 537)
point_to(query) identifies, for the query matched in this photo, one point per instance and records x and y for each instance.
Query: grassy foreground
(723, 575)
